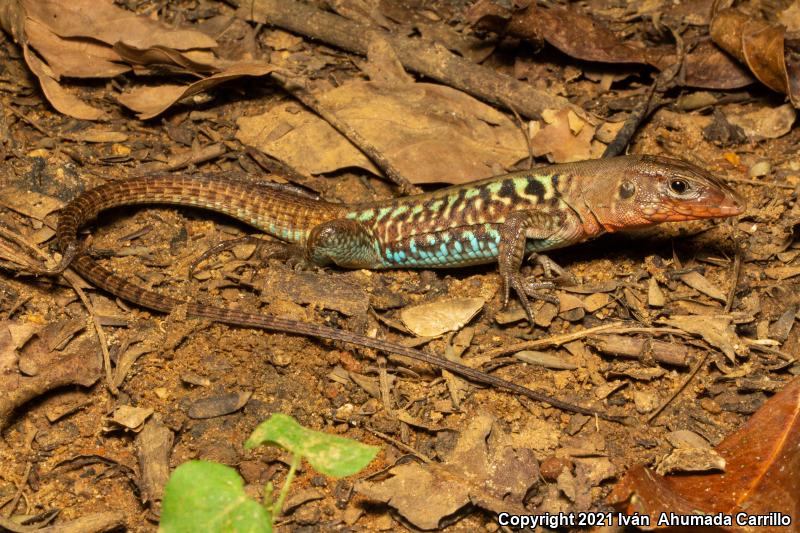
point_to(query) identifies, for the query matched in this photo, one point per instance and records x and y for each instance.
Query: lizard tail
(282, 214)
(274, 211)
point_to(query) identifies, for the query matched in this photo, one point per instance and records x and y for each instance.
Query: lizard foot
(265, 249)
(524, 289)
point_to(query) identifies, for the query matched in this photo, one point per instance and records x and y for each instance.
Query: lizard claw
(525, 288)
(515, 281)
(550, 267)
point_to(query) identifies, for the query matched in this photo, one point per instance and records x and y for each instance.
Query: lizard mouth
(727, 205)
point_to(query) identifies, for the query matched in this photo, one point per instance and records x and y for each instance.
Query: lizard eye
(626, 190)
(679, 186)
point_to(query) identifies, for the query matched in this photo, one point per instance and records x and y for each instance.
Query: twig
(428, 59)
(736, 270)
(558, 340)
(30, 434)
(625, 134)
(399, 445)
(274, 166)
(646, 106)
(760, 183)
(678, 390)
(766, 349)
(525, 133)
(32, 123)
(74, 281)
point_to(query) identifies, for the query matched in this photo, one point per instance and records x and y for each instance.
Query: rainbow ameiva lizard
(496, 219)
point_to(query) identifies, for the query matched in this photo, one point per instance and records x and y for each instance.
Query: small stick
(736, 270)
(678, 390)
(646, 106)
(428, 59)
(761, 183)
(558, 340)
(525, 133)
(399, 445)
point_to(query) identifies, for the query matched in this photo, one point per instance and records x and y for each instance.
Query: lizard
(498, 219)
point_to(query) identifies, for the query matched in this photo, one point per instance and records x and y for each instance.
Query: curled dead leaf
(430, 133)
(149, 102)
(761, 46)
(761, 478)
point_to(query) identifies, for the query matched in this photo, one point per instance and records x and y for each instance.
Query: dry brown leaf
(570, 31)
(129, 417)
(781, 273)
(191, 62)
(105, 22)
(547, 360)
(383, 65)
(29, 203)
(559, 142)
(760, 45)
(431, 133)
(149, 102)
(764, 122)
(72, 39)
(100, 136)
(761, 478)
(61, 100)
(705, 66)
(435, 318)
(573, 33)
(715, 330)
(700, 283)
(580, 36)
(483, 469)
(76, 58)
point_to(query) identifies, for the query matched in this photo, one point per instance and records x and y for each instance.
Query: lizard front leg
(517, 228)
(343, 242)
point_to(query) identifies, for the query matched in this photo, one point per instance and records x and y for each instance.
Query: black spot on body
(554, 181)
(507, 189)
(484, 194)
(534, 188)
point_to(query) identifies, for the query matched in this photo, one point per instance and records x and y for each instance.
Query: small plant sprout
(207, 496)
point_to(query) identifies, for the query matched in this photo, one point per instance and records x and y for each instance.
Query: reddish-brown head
(653, 189)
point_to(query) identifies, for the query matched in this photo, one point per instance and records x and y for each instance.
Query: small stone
(552, 467)
(762, 168)
(711, 406)
(161, 392)
(596, 301)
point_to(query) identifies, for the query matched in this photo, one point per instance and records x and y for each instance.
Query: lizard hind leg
(517, 228)
(345, 243)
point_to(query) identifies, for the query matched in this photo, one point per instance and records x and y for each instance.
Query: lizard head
(654, 189)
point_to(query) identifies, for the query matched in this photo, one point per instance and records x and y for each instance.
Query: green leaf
(204, 496)
(333, 456)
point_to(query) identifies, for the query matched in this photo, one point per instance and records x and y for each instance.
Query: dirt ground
(76, 449)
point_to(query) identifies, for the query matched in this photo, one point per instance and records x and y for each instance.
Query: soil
(66, 450)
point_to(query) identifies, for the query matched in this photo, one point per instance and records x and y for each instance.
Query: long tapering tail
(276, 212)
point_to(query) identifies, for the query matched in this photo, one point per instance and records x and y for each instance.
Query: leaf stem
(269, 490)
(278, 507)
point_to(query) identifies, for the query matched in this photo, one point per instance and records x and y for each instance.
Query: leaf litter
(758, 335)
